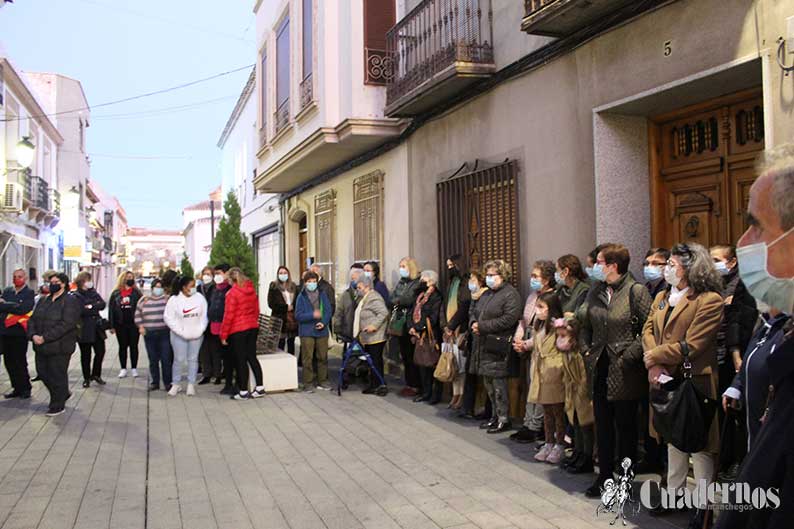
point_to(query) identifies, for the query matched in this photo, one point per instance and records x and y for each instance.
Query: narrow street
(125, 458)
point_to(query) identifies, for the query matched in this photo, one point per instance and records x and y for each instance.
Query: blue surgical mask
(367, 274)
(404, 272)
(158, 291)
(722, 268)
(589, 271)
(535, 284)
(311, 286)
(353, 284)
(283, 277)
(652, 272)
(558, 277)
(473, 287)
(598, 272)
(490, 281)
(776, 292)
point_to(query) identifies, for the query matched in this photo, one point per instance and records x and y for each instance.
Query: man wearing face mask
(653, 270)
(326, 288)
(16, 305)
(348, 301)
(53, 330)
(766, 267)
(218, 359)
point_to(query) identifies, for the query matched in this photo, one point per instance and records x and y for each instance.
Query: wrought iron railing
(281, 116)
(533, 6)
(378, 67)
(435, 35)
(55, 202)
(307, 92)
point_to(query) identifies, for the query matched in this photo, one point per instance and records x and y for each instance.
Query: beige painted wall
(545, 118)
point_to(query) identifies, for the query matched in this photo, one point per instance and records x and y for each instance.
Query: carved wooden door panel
(703, 166)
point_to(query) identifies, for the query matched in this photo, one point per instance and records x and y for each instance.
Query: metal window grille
(368, 217)
(325, 233)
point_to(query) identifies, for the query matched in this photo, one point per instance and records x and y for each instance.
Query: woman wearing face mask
(372, 271)
(53, 330)
(425, 318)
(456, 315)
(572, 286)
(653, 270)
(150, 319)
(205, 286)
(206, 283)
(403, 297)
(494, 321)
(369, 326)
(91, 335)
(121, 314)
(616, 308)
(239, 330)
(186, 317)
(281, 300)
(476, 286)
(591, 261)
(541, 282)
(690, 312)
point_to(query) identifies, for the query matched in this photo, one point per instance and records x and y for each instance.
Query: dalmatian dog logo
(616, 496)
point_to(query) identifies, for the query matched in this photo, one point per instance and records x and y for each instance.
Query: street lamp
(25, 152)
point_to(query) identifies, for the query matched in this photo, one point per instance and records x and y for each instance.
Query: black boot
(572, 460)
(500, 427)
(583, 466)
(594, 491)
(489, 424)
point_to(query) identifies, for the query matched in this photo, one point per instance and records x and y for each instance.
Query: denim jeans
(185, 352)
(158, 348)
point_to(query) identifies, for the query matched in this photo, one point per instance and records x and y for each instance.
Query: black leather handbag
(682, 414)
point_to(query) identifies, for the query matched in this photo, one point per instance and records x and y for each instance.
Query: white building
(201, 221)
(30, 208)
(259, 212)
(152, 251)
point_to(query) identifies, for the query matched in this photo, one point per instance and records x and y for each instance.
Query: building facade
(260, 213)
(152, 251)
(30, 211)
(200, 223)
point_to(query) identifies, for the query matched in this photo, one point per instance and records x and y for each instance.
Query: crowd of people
(582, 355)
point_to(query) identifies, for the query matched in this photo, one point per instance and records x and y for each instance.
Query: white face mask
(219, 279)
(89, 285)
(206, 278)
(775, 291)
(670, 276)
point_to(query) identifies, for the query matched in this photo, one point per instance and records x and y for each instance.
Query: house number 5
(668, 48)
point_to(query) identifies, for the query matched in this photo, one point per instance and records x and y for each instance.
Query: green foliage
(185, 267)
(230, 245)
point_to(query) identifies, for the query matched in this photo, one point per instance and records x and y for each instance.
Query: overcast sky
(121, 48)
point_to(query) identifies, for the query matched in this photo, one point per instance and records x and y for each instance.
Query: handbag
(498, 345)
(291, 325)
(398, 321)
(426, 352)
(682, 414)
(446, 369)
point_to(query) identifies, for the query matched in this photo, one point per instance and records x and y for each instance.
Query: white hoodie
(186, 316)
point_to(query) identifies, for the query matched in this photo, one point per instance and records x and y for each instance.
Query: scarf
(287, 291)
(357, 315)
(314, 299)
(476, 295)
(676, 295)
(420, 302)
(452, 298)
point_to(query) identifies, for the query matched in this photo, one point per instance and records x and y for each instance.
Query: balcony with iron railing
(281, 117)
(435, 51)
(306, 92)
(559, 18)
(55, 202)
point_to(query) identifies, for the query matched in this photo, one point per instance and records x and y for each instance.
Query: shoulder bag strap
(430, 330)
(636, 324)
(687, 365)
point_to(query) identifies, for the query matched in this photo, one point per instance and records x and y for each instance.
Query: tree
(230, 245)
(185, 267)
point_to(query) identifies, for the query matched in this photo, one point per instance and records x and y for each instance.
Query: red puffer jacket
(242, 310)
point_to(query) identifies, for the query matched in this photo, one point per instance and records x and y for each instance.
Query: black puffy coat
(431, 311)
(740, 318)
(216, 304)
(116, 314)
(90, 330)
(56, 321)
(496, 312)
(18, 303)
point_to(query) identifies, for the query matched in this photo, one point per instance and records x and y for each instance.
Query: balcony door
(702, 162)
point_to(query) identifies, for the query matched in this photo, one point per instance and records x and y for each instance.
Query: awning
(24, 240)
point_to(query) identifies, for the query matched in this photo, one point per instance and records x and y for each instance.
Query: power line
(136, 97)
(156, 112)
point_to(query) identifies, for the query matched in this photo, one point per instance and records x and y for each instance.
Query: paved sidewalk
(128, 459)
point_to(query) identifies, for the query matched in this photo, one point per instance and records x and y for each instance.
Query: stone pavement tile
(573, 522)
(488, 520)
(446, 517)
(409, 517)
(530, 521)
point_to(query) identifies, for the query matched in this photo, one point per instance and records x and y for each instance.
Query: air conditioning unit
(12, 198)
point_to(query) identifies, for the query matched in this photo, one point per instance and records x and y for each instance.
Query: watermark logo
(616, 496)
(713, 496)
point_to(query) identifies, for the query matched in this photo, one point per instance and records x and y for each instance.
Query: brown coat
(546, 385)
(696, 319)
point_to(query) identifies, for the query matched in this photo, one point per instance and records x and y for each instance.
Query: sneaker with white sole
(123, 373)
(134, 373)
(175, 388)
(544, 452)
(191, 390)
(54, 412)
(556, 454)
(243, 395)
(324, 387)
(258, 392)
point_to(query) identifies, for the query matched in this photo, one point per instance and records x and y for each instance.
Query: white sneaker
(134, 373)
(175, 388)
(191, 390)
(123, 373)
(544, 452)
(556, 455)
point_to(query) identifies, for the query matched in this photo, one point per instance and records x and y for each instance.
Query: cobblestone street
(124, 458)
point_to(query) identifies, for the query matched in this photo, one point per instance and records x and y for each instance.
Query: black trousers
(85, 358)
(375, 351)
(210, 356)
(411, 371)
(289, 342)
(15, 354)
(431, 388)
(229, 361)
(128, 337)
(54, 373)
(244, 346)
(616, 423)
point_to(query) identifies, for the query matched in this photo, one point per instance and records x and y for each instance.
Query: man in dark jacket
(326, 288)
(53, 330)
(767, 270)
(220, 356)
(653, 268)
(348, 301)
(15, 307)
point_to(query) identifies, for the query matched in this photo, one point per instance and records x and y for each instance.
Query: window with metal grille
(263, 80)
(478, 217)
(368, 217)
(282, 75)
(325, 233)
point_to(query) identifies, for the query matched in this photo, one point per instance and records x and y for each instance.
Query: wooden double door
(702, 167)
